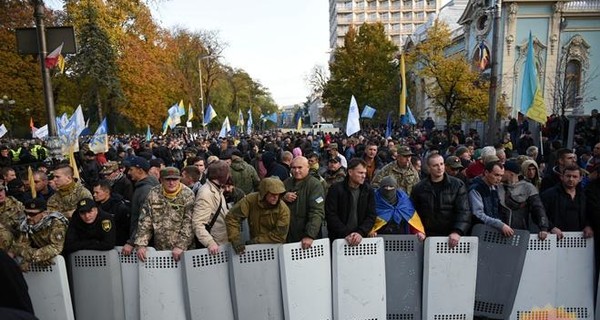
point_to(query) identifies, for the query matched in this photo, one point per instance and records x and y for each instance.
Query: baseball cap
(137, 162)
(335, 159)
(512, 166)
(405, 151)
(170, 173)
(454, 162)
(109, 167)
(85, 205)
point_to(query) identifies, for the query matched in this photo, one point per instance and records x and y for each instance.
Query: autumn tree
(364, 67)
(452, 85)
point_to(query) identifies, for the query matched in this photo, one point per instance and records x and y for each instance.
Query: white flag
(225, 128)
(41, 133)
(3, 130)
(353, 124)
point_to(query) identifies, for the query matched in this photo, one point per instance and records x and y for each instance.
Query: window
(572, 83)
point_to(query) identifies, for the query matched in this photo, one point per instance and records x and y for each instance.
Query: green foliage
(453, 86)
(127, 68)
(363, 67)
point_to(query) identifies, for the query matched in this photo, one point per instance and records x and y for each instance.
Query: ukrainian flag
(403, 210)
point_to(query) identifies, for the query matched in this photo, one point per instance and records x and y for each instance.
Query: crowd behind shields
(181, 193)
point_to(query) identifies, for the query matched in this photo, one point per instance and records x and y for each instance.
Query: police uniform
(40, 242)
(98, 235)
(167, 220)
(406, 177)
(11, 214)
(65, 200)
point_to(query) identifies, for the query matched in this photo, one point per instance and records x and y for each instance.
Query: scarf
(66, 190)
(174, 194)
(402, 210)
(44, 223)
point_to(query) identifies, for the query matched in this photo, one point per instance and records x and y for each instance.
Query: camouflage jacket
(169, 222)
(11, 213)
(41, 242)
(65, 202)
(407, 177)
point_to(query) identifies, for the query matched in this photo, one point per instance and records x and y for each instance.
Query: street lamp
(200, 58)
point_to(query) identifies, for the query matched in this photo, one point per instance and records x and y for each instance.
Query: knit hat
(512, 166)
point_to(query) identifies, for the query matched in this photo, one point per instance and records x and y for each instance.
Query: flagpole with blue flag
(388, 127)
(532, 102)
(368, 112)
(209, 115)
(99, 141)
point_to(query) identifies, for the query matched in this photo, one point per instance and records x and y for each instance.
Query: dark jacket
(120, 209)
(274, 169)
(592, 204)
(99, 235)
(559, 207)
(140, 194)
(450, 212)
(520, 204)
(337, 209)
(550, 179)
(123, 187)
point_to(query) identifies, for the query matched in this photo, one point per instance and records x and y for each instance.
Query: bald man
(305, 197)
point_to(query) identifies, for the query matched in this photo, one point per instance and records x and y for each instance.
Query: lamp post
(200, 58)
(494, 75)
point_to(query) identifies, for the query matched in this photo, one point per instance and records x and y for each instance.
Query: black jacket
(450, 212)
(558, 203)
(124, 187)
(337, 209)
(120, 209)
(592, 204)
(99, 235)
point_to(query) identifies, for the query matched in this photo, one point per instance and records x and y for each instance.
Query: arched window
(572, 83)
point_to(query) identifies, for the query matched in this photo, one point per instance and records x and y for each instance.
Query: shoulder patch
(106, 225)
(319, 200)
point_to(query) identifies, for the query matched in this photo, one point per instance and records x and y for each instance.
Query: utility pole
(492, 137)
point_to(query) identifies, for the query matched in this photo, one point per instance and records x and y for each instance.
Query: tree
(95, 66)
(453, 86)
(363, 67)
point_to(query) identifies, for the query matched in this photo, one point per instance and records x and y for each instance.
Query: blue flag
(368, 112)
(408, 118)
(249, 123)
(99, 142)
(532, 102)
(209, 114)
(388, 127)
(148, 134)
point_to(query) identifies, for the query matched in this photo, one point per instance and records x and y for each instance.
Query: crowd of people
(178, 193)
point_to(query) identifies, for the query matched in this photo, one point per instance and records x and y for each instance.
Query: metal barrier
(49, 291)
(359, 279)
(97, 285)
(306, 280)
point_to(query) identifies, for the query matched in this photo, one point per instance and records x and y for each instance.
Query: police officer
(90, 229)
(41, 235)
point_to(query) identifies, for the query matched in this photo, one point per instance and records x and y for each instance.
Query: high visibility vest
(16, 155)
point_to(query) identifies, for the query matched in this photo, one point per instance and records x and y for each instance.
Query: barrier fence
(395, 277)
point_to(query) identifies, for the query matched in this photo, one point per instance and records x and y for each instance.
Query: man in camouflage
(41, 235)
(11, 213)
(401, 170)
(68, 193)
(166, 216)
(244, 176)
(268, 216)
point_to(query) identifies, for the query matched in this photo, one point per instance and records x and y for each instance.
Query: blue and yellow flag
(532, 102)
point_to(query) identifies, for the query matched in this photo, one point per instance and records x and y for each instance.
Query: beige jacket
(205, 206)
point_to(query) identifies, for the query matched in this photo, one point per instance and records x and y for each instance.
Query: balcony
(582, 6)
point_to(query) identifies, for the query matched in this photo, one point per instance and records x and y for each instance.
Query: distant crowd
(180, 192)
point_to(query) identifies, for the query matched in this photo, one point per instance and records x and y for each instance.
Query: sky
(277, 42)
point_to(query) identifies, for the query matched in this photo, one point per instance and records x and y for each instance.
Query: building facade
(399, 17)
(566, 35)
